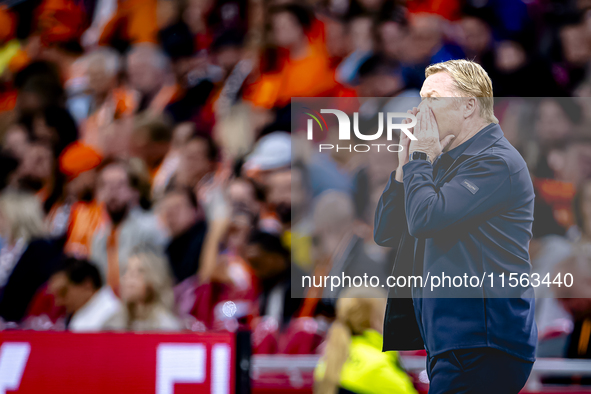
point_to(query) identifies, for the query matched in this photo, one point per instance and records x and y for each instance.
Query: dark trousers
(477, 371)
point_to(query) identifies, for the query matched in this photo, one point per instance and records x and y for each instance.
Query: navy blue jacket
(471, 212)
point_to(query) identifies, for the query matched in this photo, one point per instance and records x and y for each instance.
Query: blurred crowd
(146, 171)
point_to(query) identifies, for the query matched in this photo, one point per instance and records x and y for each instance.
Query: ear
(470, 106)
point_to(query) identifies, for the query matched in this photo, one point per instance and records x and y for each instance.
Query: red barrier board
(60, 362)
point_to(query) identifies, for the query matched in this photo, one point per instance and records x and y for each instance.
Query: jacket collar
(479, 142)
(482, 140)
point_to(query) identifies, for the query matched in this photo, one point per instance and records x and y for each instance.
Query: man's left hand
(427, 134)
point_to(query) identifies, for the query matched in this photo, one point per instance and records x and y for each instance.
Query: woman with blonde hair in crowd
(353, 361)
(146, 294)
(27, 256)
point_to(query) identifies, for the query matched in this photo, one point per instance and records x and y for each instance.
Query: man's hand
(405, 143)
(427, 134)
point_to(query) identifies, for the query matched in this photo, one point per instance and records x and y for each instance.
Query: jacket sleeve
(481, 185)
(389, 221)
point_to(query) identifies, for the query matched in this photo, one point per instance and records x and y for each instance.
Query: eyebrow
(428, 93)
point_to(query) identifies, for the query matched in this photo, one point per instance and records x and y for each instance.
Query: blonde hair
(24, 215)
(471, 79)
(160, 296)
(357, 310)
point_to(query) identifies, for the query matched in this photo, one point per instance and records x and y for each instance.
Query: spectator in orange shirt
(149, 72)
(134, 22)
(304, 66)
(151, 141)
(108, 101)
(79, 162)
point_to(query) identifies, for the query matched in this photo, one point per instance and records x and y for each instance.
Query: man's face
(178, 213)
(242, 193)
(477, 35)
(286, 30)
(115, 190)
(99, 80)
(151, 152)
(69, 295)
(552, 123)
(36, 167)
(143, 75)
(440, 95)
(194, 161)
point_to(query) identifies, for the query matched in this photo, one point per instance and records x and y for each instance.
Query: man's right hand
(405, 143)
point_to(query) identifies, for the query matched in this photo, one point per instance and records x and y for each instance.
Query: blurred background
(147, 181)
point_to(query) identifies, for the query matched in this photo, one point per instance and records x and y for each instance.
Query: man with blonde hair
(460, 210)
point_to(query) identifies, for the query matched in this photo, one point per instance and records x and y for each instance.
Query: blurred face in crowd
(279, 194)
(423, 39)
(360, 34)
(510, 56)
(265, 264)
(287, 31)
(116, 191)
(182, 134)
(227, 57)
(336, 38)
(167, 13)
(100, 81)
(392, 35)
(572, 164)
(576, 44)
(143, 75)
(195, 163)
(151, 152)
(242, 193)
(44, 133)
(477, 35)
(134, 286)
(178, 213)
(36, 168)
(70, 295)
(440, 95)
(238, 231)
(16, 141)
(82, 186)
(30, 101)
(552, 123)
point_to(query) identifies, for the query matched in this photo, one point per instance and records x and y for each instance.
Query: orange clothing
(121, 103)
(77, 158)
(7, 24)
(559, 195)
(306, 77)
(135, 21)
(166, 95)
(85, 219)
(8, 100)
(60, 20)
(449, 9)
